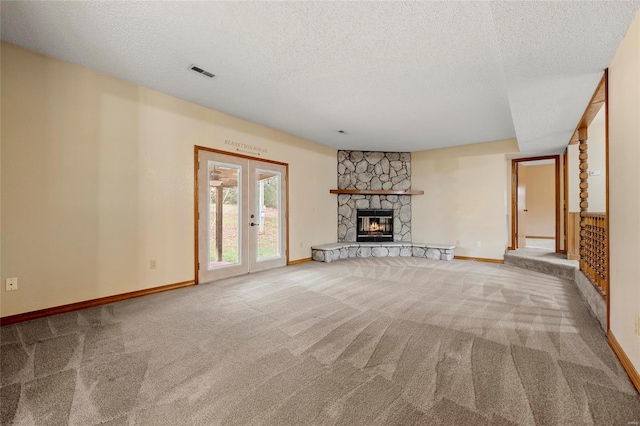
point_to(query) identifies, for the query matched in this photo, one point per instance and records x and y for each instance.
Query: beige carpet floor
(391, 341)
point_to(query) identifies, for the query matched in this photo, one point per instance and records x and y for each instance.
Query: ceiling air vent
(201, 71)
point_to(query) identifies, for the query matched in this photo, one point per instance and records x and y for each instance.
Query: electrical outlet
(12, 284)
(479, 243)
(153, 264)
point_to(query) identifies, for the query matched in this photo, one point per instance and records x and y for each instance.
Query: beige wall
(540, 184)
(465, 199)
(97, 179)
(624, 191)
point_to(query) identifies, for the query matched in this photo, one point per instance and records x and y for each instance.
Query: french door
(241, 215)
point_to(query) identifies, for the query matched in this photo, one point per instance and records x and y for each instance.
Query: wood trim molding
(624, 360)
(28, 316)
(479, 259)
(298, 261)
(539, 237)
(514, 200)
(606, 192)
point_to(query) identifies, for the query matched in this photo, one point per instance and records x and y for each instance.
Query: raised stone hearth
(373, 170)
(336, 251)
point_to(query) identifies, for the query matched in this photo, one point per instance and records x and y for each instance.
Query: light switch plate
(12, 283)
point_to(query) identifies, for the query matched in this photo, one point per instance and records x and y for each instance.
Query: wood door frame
(514, 199)
(196, 219)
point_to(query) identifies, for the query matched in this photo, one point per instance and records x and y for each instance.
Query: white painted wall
(97, 179)
(624, 191)
(466, 197)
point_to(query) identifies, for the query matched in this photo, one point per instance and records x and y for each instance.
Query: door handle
(254, 224)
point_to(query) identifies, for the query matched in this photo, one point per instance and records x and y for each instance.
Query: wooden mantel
(376, 192)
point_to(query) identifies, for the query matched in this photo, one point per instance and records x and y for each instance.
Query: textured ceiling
(393, 75)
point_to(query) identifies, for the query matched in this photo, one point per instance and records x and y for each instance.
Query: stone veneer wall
(374, 170)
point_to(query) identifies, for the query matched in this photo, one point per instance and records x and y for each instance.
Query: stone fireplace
(374, 171)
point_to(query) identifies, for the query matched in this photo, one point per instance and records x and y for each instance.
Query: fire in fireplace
(375, 225)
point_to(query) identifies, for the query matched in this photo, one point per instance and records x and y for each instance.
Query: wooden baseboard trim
(479, 259)
(28, 316)
(295, 262)
(624, 360)
(511, 248)
(540, 238)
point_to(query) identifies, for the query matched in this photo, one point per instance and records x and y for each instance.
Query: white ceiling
(401, 76)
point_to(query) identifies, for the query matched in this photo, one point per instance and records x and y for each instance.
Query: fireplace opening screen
(375, 225)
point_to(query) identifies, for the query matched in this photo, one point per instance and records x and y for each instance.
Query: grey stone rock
(408, 166)
(402, 171)
(402, 185)
(352, 202)
(397, 224)
(342, 231)
(373, 157)
(406, 252)
(377, 170)
(393, 173)
(405, 156)
(343, 198)
(354, 179)
(394, 251)
(433, 254)
(384, 178)
(406, 237)
(351, 235)
(364, 252)
(397, 205)
(393, 156)
(349, 165)
(397, 165)
(392, 198)
(384, 204)
(365, 177)
(342, 155)
(335, 254)
(387, 185)
(405, 213)
(344, 253)
(361, 185)
(405, 229)
(362, 204)
(356, 156)
(344, 210)
(374, 202)
(370, 169)
(375, 183)
(404, 199)
(318, 255)
(384, 164)
(418, 252)
(341, 168)
(379, 252)
(353, 251)
(446, 256)
(398, 178)
(344, 181)
(358, 197)
(361, 167)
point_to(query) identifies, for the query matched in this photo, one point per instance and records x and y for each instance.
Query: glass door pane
(268, 202)
(225, 193)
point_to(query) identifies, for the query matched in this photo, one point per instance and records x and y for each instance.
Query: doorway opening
(535, 193)
(241, 214)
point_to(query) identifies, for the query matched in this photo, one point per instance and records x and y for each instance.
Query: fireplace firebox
(375, 225)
